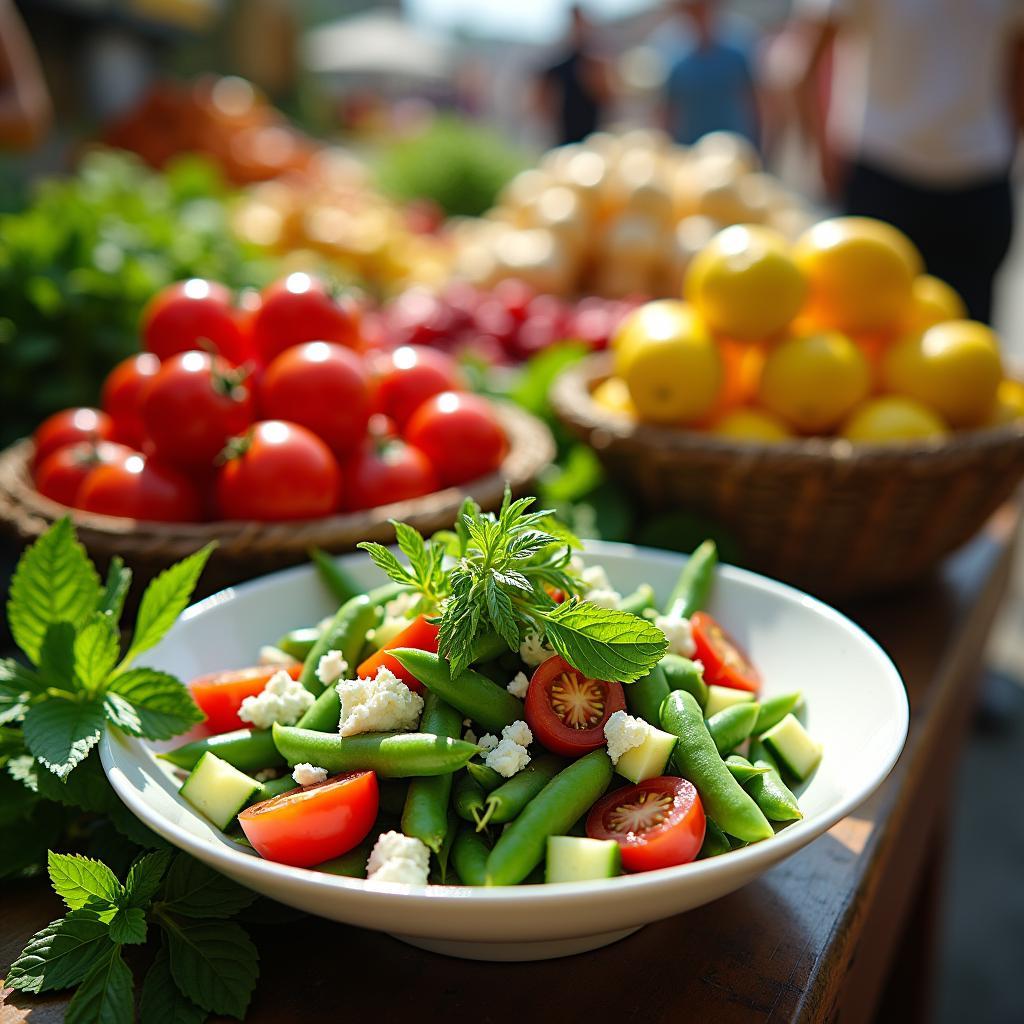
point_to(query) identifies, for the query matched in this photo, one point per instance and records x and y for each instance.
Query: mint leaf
(60, 733)
(54, 582)
(60, 955)
(602, 642)
(18, 684)
(386, 561)
(57, 656)
(162, 1000)
(145, 876)
(194, 890)
(86, 788)
(106, 994)
(128, 926)
(213, 962)
(95, 651)
(499, 610)
(119, 580)
(411, 544)
(158, 705)
(164, 600)
(81, 882)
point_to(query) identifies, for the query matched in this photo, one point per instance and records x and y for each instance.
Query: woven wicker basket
(836, 519)
(247, 549)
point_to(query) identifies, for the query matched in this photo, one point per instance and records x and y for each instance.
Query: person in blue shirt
(710, 86)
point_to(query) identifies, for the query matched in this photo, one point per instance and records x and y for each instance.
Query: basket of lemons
(824, 400)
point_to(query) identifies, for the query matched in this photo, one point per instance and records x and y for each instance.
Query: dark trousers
(963, 233)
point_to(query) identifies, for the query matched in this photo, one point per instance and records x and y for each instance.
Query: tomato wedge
(420, 635)
(566, 710)
(657, 824)
(307, 826)
(725, 662)
(220, 694)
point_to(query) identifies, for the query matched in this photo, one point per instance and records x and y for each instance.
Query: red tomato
(220, 694)
(140, 488)
(193, 405)
(122, 396)
(420, 635)
(460, 435)
(194, 314)
(63, 472)
(320, 386)
(70, 426)
(307, 826)
(567, 710)
(657, 824)
(382, 472)
(405, 378)
(299, 308)
(725, 663)
(280, 471)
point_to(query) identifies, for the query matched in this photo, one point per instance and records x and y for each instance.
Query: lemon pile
(838, 333)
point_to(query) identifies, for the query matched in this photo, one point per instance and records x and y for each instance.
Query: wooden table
(838, 932)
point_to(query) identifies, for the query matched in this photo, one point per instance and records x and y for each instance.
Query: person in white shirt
(925, 106)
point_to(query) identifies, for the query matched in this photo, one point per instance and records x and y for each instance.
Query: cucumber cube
(575, 859)
(650, 759)
(218, 790)
(720, 697)
(793, 747)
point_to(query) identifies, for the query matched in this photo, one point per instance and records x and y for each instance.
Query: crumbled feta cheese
(576, 565)
(401, 607)
(623, 732)
(331, 667)
(509, 754)
(470, 737)
(599, 589)
(678, 634)
(533, 650)
(595, 577)
(519, 685)
(270, 655)
(518, 732)
(306, 774)
(487, 742)
(282, 700)
(381, 704)
(398, 858)
(603, 598)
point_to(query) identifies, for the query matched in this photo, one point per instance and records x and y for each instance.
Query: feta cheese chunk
(509, 754)
(381, 704)
(595, 578)
(487, 742)
(623, 732)
(331, 667)
(519, 685)
(398, 858)
(518, 732)
(678, 634)
(401, 607)
(283, 700)
(306, 774)
(533, 650)
(271, 655)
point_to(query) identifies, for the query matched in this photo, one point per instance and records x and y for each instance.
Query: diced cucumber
(650, 759)
(720, 697)
(218, 790)
(793, 747)
(575, 859)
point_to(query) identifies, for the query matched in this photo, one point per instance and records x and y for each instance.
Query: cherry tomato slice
(307, 826)
(657, 824)
(420, 635)
(220, 694)
(725, 663)
(567, 710)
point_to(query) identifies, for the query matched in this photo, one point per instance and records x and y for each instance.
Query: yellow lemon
(860, 273)
(612, 395)
(813, 382)
(670, 363)
(1009, 404)
(745, 284)
(751, 425)
(954, 368)
(931, 302)
(892, 418)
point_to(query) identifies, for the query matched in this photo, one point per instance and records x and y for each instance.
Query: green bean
(552, 812)
(698, 760)
(345, 633)
(508, 800)
(487, 703)
(392, 755)
(426, 806)
(486, 646)
(469, 856)
(249, 750)
(639, 601)
(716, 842)
(731, 726)
(759, 752)
(274, 787)
(742, 770)
(349, 865)
(299, 642)
(338, 582)
(772, 795)
(683, 674)
(690, 593)
(325, 714)
(445, 851)
(468, 799)
(486, 778)
(645, 697)
(774, 710)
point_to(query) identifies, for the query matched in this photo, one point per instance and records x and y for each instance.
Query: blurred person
(710, 85)
(25, 110)
(924, 111)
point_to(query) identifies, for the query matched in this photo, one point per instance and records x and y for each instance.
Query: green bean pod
(469, 856)
(297, 643)
(774, 710)
(325, 714)
(486, 778)
(552, 812)
(691, 591)
(716, 842)
(389, 754)
(731, 726)
(759, 752)
(349, 865)
(639, 601)
(426, 806)
(645, 697)
(345, 633)
(334, 578)
(274, 787)
(486, 646)
(683, 674)
(444, 852)
(698, 760)
(742, 770)
(487, 703)
(249, 750)
(772, 795)
(468, 799)
(508, 800)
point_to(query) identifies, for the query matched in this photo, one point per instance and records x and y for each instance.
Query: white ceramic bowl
(856, 706)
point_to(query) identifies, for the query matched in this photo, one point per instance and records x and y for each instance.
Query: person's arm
(25, 111)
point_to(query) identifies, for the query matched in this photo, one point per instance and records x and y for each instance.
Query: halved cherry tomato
(307, 826)
(420, 635)
(725, 663)
(567, 710)
(220, 694)
(657, 824)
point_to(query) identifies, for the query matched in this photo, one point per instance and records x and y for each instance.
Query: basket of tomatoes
(826, 401)
(265, 423)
